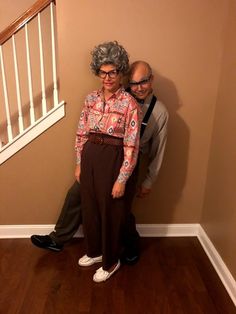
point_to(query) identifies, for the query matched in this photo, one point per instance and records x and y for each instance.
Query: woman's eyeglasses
(111, 74)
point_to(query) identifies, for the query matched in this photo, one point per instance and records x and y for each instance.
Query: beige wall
(10, 10)
(22, 177)
(219, 210)
(185, 56)
(183, 41)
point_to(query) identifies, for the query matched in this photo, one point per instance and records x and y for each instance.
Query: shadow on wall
(162, 203)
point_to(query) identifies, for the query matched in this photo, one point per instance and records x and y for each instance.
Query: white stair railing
(54, 68)
(32, 115)
(15, 135)
(44, 103)
(20, 117)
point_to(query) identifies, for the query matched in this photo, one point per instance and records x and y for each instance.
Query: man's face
(141, 82)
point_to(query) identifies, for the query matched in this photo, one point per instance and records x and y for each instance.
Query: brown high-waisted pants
(103, 216)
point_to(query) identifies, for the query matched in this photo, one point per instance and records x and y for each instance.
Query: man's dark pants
(70, 218)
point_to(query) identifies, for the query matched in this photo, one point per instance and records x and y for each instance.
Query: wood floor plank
(173, 275)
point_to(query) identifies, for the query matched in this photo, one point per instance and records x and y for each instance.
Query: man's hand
(143, 192)
(77, 173)
(118, 189)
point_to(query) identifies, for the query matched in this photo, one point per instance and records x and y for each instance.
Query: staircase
(29, 89)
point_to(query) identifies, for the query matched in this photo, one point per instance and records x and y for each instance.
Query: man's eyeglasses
(141, 83)
(111, 74)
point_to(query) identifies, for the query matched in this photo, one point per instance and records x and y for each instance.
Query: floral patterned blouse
(119, 116)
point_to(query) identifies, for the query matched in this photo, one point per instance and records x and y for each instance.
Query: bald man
(152, 142)
(154, 138)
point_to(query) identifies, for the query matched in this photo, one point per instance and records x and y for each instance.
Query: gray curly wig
(109, 53)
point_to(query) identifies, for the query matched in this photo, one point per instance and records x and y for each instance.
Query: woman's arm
(131, 149)
(82, 132)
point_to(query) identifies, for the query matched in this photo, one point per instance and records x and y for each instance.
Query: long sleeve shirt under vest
(153, 141)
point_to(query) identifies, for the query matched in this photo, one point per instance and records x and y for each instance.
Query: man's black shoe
(130, 258)
(45, 242)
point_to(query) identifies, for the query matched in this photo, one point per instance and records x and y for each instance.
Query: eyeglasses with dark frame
(141, 83)
(111, 74)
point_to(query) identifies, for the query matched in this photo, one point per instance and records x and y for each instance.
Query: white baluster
(54, 67)
(20, 118)
(44, 104)
(32, 115)
(9, 128)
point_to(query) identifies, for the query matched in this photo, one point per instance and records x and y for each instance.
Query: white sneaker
(103, 275)
(99, 270)
(88, 261)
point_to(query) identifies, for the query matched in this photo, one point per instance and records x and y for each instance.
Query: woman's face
(110, 78)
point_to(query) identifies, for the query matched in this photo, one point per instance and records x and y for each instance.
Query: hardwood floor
(173, 275)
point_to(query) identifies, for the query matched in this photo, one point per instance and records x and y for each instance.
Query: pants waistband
(101, 139)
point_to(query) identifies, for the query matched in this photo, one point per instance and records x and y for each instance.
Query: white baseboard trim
(23, 231)
(168, 230)
(145, 230)
(217, 262)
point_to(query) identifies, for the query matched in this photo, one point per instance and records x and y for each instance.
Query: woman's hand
(118, 189)
(77, 173)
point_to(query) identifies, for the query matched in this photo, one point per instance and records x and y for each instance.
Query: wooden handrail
(28, 15)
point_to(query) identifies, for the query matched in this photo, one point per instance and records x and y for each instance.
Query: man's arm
(156, 153)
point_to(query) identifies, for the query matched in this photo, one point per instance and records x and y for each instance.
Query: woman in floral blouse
(107, 144)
